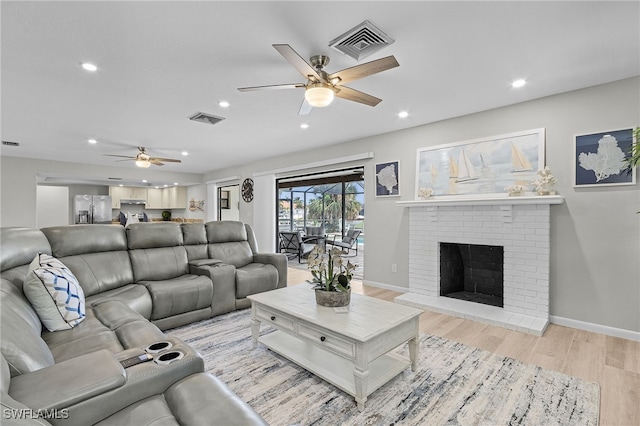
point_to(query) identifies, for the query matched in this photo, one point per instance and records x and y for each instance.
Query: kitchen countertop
(176, 219)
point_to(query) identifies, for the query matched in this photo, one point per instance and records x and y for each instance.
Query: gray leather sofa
(152, 276)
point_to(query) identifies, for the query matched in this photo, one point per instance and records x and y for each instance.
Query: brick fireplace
(520, 226)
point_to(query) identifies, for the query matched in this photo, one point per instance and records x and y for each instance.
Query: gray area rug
(455, 385)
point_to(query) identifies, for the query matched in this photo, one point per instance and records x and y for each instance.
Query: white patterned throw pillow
(55, 293)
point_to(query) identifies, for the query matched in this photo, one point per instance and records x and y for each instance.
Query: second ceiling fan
(144, 160)
(321, 87)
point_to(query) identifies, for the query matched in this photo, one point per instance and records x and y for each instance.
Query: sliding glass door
(332, 200)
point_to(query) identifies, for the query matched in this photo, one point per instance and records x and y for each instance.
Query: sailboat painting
(466, 170)
(520, 162)
(481, 166)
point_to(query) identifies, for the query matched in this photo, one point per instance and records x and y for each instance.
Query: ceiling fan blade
(166, 160)
(305, 108)
(357, 96)
(297, 61)
(155, 161)
(364, 70)
(272, 87)
(128, 159)
(122, 156)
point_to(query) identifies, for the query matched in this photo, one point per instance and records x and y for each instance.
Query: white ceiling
(161, 62)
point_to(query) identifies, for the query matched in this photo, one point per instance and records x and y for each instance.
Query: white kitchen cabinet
(176, 197)
(154, 199)
(118, 193)
(138, 193)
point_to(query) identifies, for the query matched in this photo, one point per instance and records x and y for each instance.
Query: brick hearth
(519, 224)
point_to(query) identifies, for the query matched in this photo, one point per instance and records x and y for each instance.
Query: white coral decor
(545, 181)
(425, 193)
(515, 189)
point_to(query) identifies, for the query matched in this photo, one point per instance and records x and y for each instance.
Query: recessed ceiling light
(92, 141)
(518, 83)
(304, 126)
(165, 185)
(224, 104)
(144, 181)
(403, 114)
(157, 187)
(120, 185)
(175, 183)
(185, 153)
(89, 67)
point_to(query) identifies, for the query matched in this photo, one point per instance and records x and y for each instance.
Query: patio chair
(348, 242)
(315, 235)
(292, 245)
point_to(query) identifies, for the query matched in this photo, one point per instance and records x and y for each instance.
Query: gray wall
(595, 234)
(52, 206)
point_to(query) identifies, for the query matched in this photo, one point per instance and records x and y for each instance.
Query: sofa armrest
(69, 382)
(279, 260)
(203, 399)
(223, 277)
(142, 381)
(204, 262)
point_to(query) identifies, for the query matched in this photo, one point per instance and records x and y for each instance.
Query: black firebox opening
(472, 272)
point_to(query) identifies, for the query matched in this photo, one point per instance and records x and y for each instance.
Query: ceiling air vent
(361, 41)
(8, 143)
(206, 118)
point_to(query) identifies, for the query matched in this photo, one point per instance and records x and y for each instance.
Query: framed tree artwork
(600, 159)
(387, 179)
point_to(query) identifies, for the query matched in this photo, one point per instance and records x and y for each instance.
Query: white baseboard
(596, 328)
(567, 322)
(385, 286)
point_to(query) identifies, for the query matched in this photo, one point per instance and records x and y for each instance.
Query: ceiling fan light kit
(321, 88)
(144, 160)
(319, 94)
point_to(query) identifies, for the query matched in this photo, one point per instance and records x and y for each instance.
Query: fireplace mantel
(482, 200)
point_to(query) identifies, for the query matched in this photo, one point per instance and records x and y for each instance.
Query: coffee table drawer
(278, 319)
(327, 340)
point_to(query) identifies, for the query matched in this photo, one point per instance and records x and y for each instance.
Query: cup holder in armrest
(156, 347)
(168, 357)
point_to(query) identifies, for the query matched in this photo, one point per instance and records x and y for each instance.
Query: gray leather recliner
(197, 399)
(159, 261)
(99, 258)
(235, 244)
(128, 279)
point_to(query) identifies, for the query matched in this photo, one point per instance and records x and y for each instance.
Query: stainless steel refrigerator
(92, 209)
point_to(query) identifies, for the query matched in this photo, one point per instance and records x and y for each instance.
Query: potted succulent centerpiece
(331, 276)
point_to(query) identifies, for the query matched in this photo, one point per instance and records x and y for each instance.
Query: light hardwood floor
(612, 362)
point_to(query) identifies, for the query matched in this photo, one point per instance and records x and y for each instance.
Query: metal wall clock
(247, 190)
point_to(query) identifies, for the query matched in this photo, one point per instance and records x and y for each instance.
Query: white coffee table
(350, 350)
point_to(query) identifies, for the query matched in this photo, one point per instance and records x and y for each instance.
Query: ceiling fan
(145, 160)
(321, 87)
